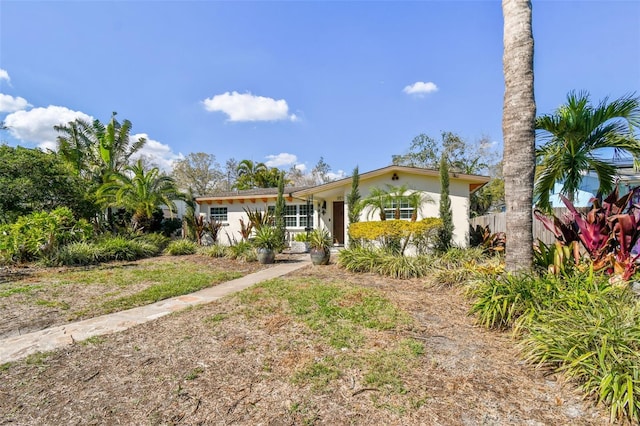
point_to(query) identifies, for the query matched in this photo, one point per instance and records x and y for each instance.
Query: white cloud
(248, 107)
(282, 159)
(340, 174)
(158, 153)
(301, 167)
(36, 125)
(420, 88)
(4, 75)
(10, 104)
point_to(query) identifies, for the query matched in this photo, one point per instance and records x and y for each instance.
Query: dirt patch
(224, 363)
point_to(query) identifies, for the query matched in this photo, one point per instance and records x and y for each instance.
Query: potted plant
(320, 246)
(266, 242)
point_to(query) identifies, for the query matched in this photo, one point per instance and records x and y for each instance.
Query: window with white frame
(218, 214)
(295, 215)
(305, 215)
(402, 204)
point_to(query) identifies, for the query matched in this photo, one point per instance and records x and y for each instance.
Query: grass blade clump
(181, 248)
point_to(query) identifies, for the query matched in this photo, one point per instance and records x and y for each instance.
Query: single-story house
(325, 205)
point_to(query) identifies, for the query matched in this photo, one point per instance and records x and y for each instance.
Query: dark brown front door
(338, 222)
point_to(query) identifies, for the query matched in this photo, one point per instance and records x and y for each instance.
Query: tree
(353, 197)
(445, 233)
(198, 172)
(574, 136)
(353, 202)
(518, 128)
(140, 192)
(279, 213)
(269, 178)
(320, 172)
(246, 172)
(32, 180)
(230, 173)
(463, 157)
(378, 199)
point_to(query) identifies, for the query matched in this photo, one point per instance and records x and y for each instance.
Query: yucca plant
(242, 250)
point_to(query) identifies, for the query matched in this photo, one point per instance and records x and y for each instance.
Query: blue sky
(288, 82)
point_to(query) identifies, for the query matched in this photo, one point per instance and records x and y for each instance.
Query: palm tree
(140, 192)
(95, 150)
(575, 134)
(378, 199)
(518, 128)
(247, 171)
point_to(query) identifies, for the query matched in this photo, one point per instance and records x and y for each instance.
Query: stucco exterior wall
(430, 186)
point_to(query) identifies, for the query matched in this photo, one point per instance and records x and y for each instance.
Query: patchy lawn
(320, 346)
(33, 298)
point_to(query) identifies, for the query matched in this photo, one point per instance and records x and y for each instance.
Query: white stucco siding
(430, 186)
(230, 231)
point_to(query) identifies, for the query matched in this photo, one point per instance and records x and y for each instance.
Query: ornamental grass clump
(595, 341)
(384, 262)
(181, 247)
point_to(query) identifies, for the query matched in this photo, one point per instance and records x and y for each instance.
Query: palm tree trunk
(518, 128)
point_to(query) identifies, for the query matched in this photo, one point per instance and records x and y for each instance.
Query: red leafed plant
(609, 232)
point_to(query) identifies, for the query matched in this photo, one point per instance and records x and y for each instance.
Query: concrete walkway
(17, 347)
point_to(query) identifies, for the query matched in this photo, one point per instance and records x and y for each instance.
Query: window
(295, 215)
(403, 204)
(306, 215)
(219, 214)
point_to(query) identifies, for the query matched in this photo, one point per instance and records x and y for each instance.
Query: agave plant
(609, 232)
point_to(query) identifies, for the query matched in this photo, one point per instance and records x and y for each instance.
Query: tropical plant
(242, 250)
(258, 218)
(573, 139)
(266, 238)
(556, 258)
(96, 151)
(140, 192)
(488, 241)
(246, 174)
(320, 239)
(609, 232)
(40, 234)
(518, 128)
(378, 199)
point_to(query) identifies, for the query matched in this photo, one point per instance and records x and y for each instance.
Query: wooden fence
(497, 223)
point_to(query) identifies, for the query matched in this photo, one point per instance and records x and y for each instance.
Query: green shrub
(181, 247)
(301, 237)
(77, 254)
(384, 262)
(594, 339)
(216, 250)
(39, 235)
(158, 240)
(242, 250)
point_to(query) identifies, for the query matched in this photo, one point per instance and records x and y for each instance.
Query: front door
(338, 222)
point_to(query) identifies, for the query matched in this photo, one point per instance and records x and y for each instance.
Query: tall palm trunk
(518, 129)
